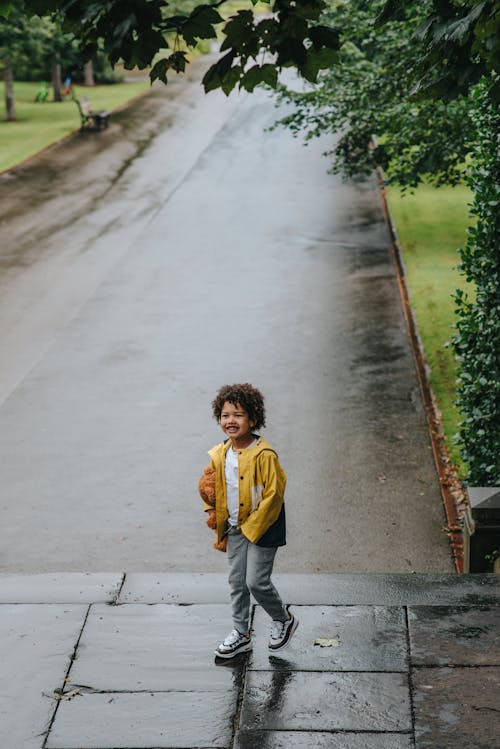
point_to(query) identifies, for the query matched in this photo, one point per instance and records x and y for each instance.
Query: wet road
(142, 268)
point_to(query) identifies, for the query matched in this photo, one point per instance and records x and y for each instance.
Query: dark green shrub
(477, 340)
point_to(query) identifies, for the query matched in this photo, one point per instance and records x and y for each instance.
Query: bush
(477, 340)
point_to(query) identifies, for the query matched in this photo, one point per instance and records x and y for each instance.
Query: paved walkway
(379, 662)
(139, 271)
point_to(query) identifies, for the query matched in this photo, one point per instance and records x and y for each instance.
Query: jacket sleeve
(274, 481)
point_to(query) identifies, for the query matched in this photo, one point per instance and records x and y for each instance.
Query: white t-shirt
(233, 483)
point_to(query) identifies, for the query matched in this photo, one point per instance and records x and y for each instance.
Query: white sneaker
(281, 632)
(235, 643)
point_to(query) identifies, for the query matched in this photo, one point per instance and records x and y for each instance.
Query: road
(143, 267)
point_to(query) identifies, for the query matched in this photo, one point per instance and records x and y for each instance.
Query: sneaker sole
(233, 653)
(292, 629)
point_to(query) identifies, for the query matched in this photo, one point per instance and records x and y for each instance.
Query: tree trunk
(10, 99)
(57, 81)
(88, 74)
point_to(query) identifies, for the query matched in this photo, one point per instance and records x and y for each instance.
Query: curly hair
(246, 396)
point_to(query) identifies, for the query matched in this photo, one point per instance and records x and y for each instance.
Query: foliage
(477, 341)
(366, 96)
(409, 80)
(34, 44)
(461, 44)
(20, 40)
(134, 32)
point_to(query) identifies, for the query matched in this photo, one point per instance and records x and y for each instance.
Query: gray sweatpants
(250, 569)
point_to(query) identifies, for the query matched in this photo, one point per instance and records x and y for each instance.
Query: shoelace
(277, 629)
(233, 638)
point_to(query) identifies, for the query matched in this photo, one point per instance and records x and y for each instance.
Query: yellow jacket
(261, 490)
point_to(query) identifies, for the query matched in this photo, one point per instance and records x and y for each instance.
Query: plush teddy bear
(206, 487)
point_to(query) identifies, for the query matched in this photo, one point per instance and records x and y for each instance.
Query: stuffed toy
(206, 487)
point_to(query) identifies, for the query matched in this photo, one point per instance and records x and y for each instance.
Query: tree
(88, 73)
(477, 338)
(136, 31)
(30, 45)
(10, 99)
(461, 45)
(13, 33)
(57, 50)
(365, 96)
(424, 79)
(461, 56)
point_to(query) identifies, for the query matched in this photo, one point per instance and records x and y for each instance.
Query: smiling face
(236, 424)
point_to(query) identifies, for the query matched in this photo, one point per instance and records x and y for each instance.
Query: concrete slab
(349, 638)
(175, 587)
(322, 740)
(320, 588)
(153, 648)
(60, 587)
(455, 635)
(457, 707)
(144, 721)
(298, 701)
(36, 645)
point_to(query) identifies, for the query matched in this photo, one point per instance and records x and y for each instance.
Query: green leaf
(318, 60)
(251, 78)
(260, 74)
(238, 29)
(323, 36)
(177, 61)
(231, 78)
(216, 73)
(291, 52)
(159, 70)
(390, 11)
(307, 10)
(5, 8)
(458, 30)
(269, 75)
(200, 24)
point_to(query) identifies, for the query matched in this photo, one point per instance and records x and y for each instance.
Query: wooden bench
(91, 120)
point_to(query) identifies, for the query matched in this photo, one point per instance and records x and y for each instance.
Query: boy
(249, 509)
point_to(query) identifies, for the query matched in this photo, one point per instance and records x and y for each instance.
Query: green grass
(432, 224)
(40, 124)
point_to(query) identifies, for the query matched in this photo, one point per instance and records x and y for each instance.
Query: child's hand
(222, 545)
(211, 519)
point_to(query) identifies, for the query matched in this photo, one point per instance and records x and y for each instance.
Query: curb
(452, 490)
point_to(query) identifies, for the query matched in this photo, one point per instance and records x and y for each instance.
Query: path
(144, 267)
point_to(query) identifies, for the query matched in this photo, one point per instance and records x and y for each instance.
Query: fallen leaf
(327, 642)
(66, 695)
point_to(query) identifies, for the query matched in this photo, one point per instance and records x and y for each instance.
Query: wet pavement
(98, 661)
(141, 268)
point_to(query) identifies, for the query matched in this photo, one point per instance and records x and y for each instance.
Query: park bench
(91, 120)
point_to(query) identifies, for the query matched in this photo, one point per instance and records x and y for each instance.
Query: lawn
(432, 224)
(40, 124)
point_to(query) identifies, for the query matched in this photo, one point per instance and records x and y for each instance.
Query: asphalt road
(143, 267)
